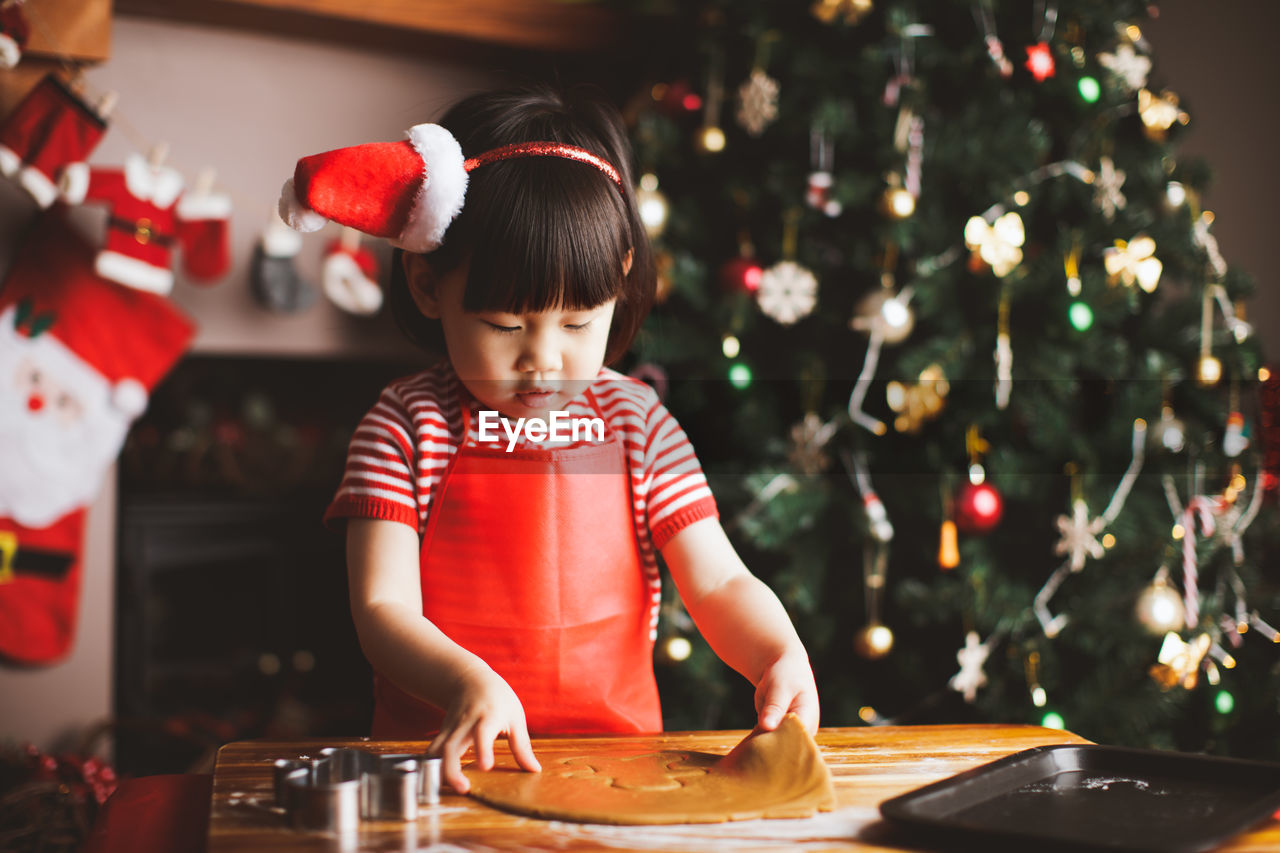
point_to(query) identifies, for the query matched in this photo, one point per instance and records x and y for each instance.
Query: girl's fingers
(522, 749)
(805, 706)
(771, 704)
(483, 738)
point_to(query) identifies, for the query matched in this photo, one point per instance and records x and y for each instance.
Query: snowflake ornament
(809, 440)
(1127, 64)
(1080, 535)
(1107, 182)
(787, 292)
(971, 658)
(757, 102)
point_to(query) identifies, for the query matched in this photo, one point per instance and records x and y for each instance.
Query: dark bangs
(543, 233)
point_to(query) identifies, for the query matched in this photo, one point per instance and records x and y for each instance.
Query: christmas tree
(942, 312)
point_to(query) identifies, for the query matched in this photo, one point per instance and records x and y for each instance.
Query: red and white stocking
(350, 275)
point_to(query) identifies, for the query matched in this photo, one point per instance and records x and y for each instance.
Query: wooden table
(869, 765)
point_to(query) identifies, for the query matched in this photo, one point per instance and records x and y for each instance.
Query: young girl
(503, 575)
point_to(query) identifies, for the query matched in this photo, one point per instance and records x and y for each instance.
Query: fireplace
(232, 619)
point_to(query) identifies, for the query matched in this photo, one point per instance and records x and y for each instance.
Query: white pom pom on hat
(407, 192)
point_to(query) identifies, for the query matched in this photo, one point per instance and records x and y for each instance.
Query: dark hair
(540, 232)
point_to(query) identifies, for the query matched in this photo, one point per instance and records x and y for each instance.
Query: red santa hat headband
(407, 192)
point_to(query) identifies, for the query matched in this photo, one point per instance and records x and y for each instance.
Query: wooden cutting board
(869, 765)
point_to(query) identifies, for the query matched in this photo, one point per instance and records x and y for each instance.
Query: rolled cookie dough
(778, 774)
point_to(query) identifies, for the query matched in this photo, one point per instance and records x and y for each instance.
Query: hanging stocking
(14, 32)
(78, 357)
(50, 128)
(350, 275)
(275, 280)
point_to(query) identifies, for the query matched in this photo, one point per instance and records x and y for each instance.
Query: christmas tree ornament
(740, 376)
(1175, 194)
(1234, 439)
(1127, 65)
(896, 202)
(1269, 429)
(675, 649)
(1179, 661)
(971, 658)
(710, 139)
(809, 440)
(788, 292)
(273, 276)
(920, 402)
(1106, 188)
(1079, 535)
(15, 30)
(1208, 371)
(948, 545)
(664, 264)
(730, 346)
(349, 275)
(985, 16)
(821, 178)
(885, 314)
(757, 102)
(1223, 702)
(1053, 720)
(1133, 261)
(1040, 61)
(1208, 368)
(1071, 266)
(979, 508)
(1004, 353)
(79, 356)
(1207, 242)
(653, 206)
(998, 243)
(1159, 112)
(150, 217)
(652, 375)
(1159, 605)
(1169, 433)
(51, 127)
(742, 274)
(873, 642)
(848, 12)
(1031, 666)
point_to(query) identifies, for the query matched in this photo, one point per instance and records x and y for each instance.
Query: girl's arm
(744, 622)
(403, 645)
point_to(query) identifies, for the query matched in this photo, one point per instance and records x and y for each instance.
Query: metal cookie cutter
(342, 786)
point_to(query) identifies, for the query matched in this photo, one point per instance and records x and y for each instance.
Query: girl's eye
(506, 330)
(577, 327)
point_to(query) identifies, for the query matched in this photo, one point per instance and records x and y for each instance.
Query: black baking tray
(1088, 797)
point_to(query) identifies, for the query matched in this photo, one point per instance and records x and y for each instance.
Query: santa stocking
(78, 357)
(14, 31)
(350, 275)
(49, 129)
(275, 280)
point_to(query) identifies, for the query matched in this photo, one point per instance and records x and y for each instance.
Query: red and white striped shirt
(403, 446)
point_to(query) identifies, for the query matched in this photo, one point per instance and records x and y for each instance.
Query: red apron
(530, 561)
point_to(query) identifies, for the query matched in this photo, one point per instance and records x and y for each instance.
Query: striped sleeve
(675, 490)
(379, 481)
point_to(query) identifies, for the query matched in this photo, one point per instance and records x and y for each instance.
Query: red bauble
(978, 508)
(741, 275)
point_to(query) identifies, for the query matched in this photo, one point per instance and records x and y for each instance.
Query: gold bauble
(1159, 608)
(884, 311)
(873, 641)
(710, 139)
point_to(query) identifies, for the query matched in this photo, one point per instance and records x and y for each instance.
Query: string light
(1081, 316)
(1090, 89)
(730, 346)
(1224, 702)
(740, 376)
(1053, 720)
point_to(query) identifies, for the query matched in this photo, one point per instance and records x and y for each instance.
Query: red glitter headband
(544, 149)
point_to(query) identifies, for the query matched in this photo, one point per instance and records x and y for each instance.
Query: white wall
(249, 105)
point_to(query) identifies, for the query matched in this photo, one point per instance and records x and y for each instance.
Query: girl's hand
(484, 708)
(787, 686)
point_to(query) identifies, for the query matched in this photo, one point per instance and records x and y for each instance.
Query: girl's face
(522, 365)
